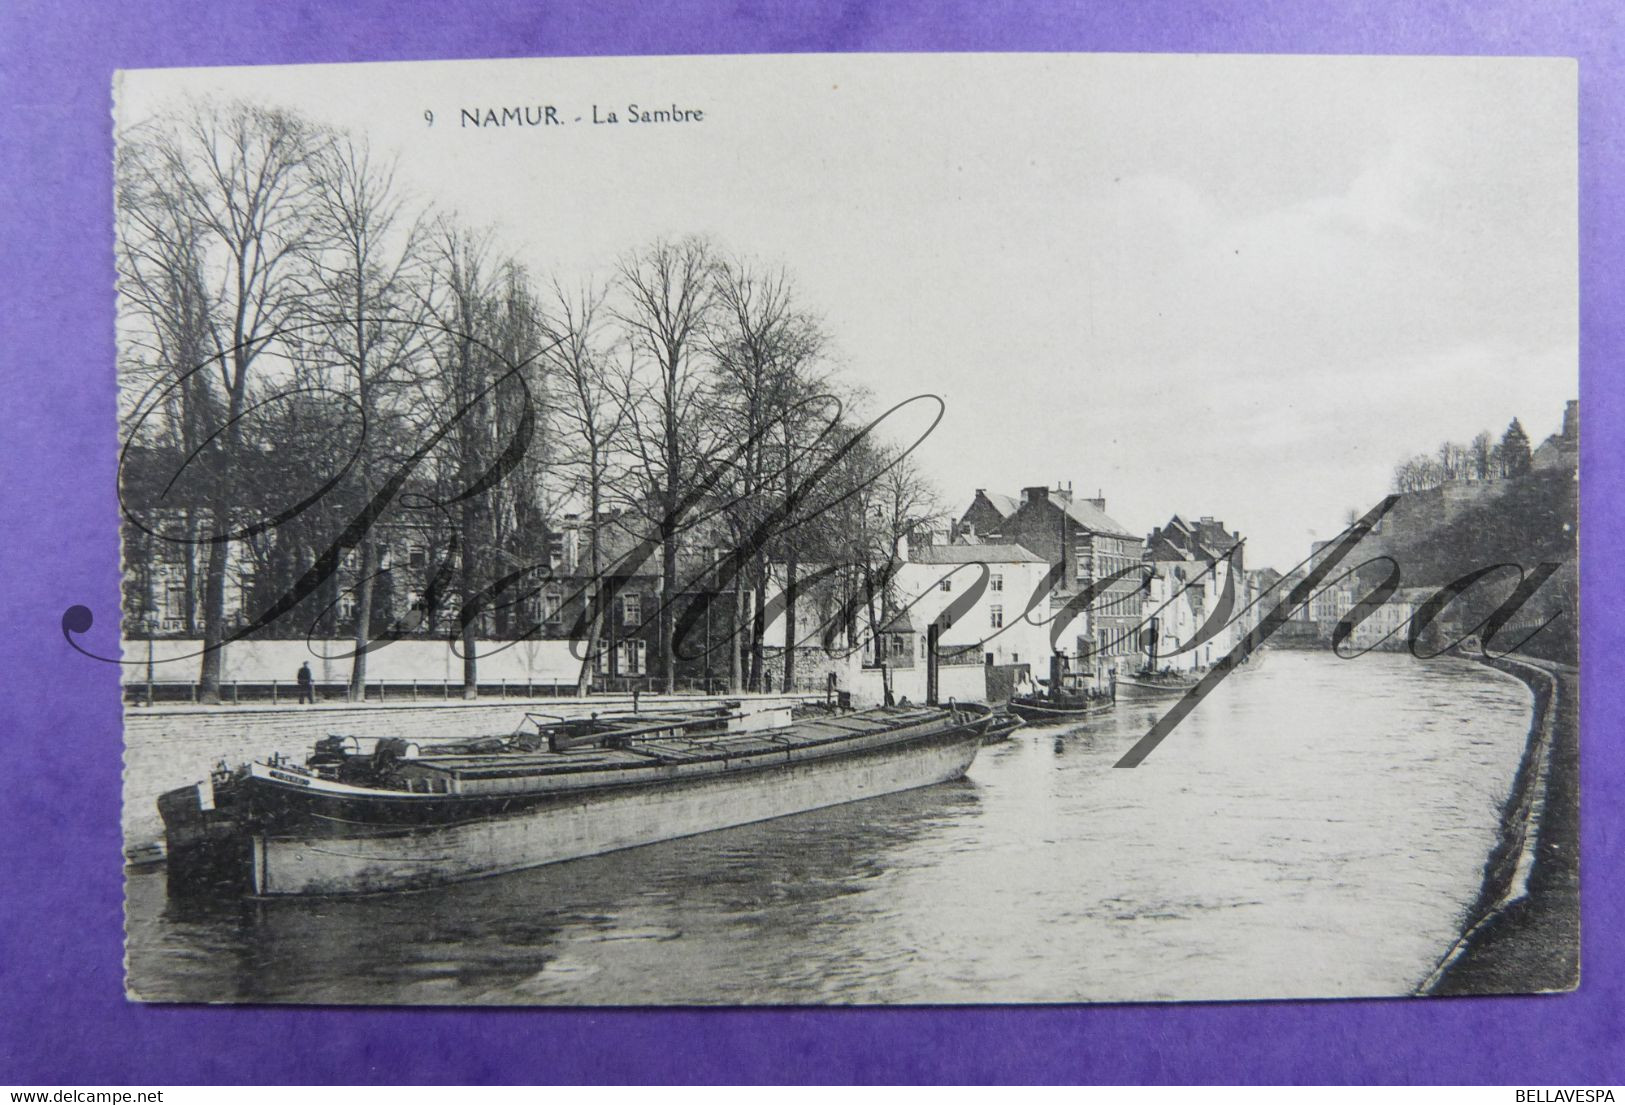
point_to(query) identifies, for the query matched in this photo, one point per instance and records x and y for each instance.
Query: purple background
(65, 1020)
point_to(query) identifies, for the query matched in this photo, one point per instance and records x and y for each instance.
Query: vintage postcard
(865, 529)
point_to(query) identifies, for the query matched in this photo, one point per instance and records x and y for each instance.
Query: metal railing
(286, 692)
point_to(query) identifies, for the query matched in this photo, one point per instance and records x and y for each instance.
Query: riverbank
(1523, 933)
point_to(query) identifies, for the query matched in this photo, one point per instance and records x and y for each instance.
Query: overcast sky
(1232, 286)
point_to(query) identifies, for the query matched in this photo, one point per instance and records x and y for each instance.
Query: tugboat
(1149, 684)
(364, 815)
(1061, 702)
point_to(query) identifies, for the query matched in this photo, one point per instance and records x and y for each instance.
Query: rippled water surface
(1315, 828)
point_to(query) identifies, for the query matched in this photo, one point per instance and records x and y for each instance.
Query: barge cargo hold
(364, 816)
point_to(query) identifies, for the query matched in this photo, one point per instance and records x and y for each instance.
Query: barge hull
(1035, 714)
(1129, 690)
(590, 824)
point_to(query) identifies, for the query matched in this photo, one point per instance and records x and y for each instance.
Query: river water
(1313, 829)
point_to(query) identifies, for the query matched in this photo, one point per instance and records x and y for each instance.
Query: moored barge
(1142, 687)
(1040, 709)
(368, 815)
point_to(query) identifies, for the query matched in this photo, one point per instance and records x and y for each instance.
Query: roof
(1091, 517)
(1205, 538)
(1214, 537)
(1158, 547)
(1004, 553)
(1004, 504)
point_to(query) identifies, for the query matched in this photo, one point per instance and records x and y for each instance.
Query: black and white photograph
(866, 529)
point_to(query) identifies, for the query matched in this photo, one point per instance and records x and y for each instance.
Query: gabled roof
(1203, 539)
(1215, 538)
(1006, 505)
(1158, 547)
(1092, 518)
(1002, 553)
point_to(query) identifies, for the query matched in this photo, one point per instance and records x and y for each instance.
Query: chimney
(1099, 503)
(1034, 495)
(1571, 421)
(1063, 493)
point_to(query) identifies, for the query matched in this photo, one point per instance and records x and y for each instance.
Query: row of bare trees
(308, 356)
(1481, 459)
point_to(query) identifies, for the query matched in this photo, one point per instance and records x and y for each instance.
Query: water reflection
(1315, 828)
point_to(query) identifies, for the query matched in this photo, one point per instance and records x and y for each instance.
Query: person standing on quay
(306, 693)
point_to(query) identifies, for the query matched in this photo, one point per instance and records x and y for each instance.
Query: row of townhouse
(1200, 598)
(1021, 579)
(1015, 581)
(1094, 608)
(1338, 599)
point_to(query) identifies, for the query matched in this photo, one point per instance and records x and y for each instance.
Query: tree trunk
(736, 643)
(469, 621)
(214, 614)
(191, 573)
(758, 622)
(668, 599)
(595, 611)
(790, 568)
(363, 618)
(595, 622)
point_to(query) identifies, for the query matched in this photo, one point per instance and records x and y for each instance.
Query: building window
(945, 584)
(995, 616)
(632, 610)
(417, 556)
(552, 604)
(632, 657)
(995, 582)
